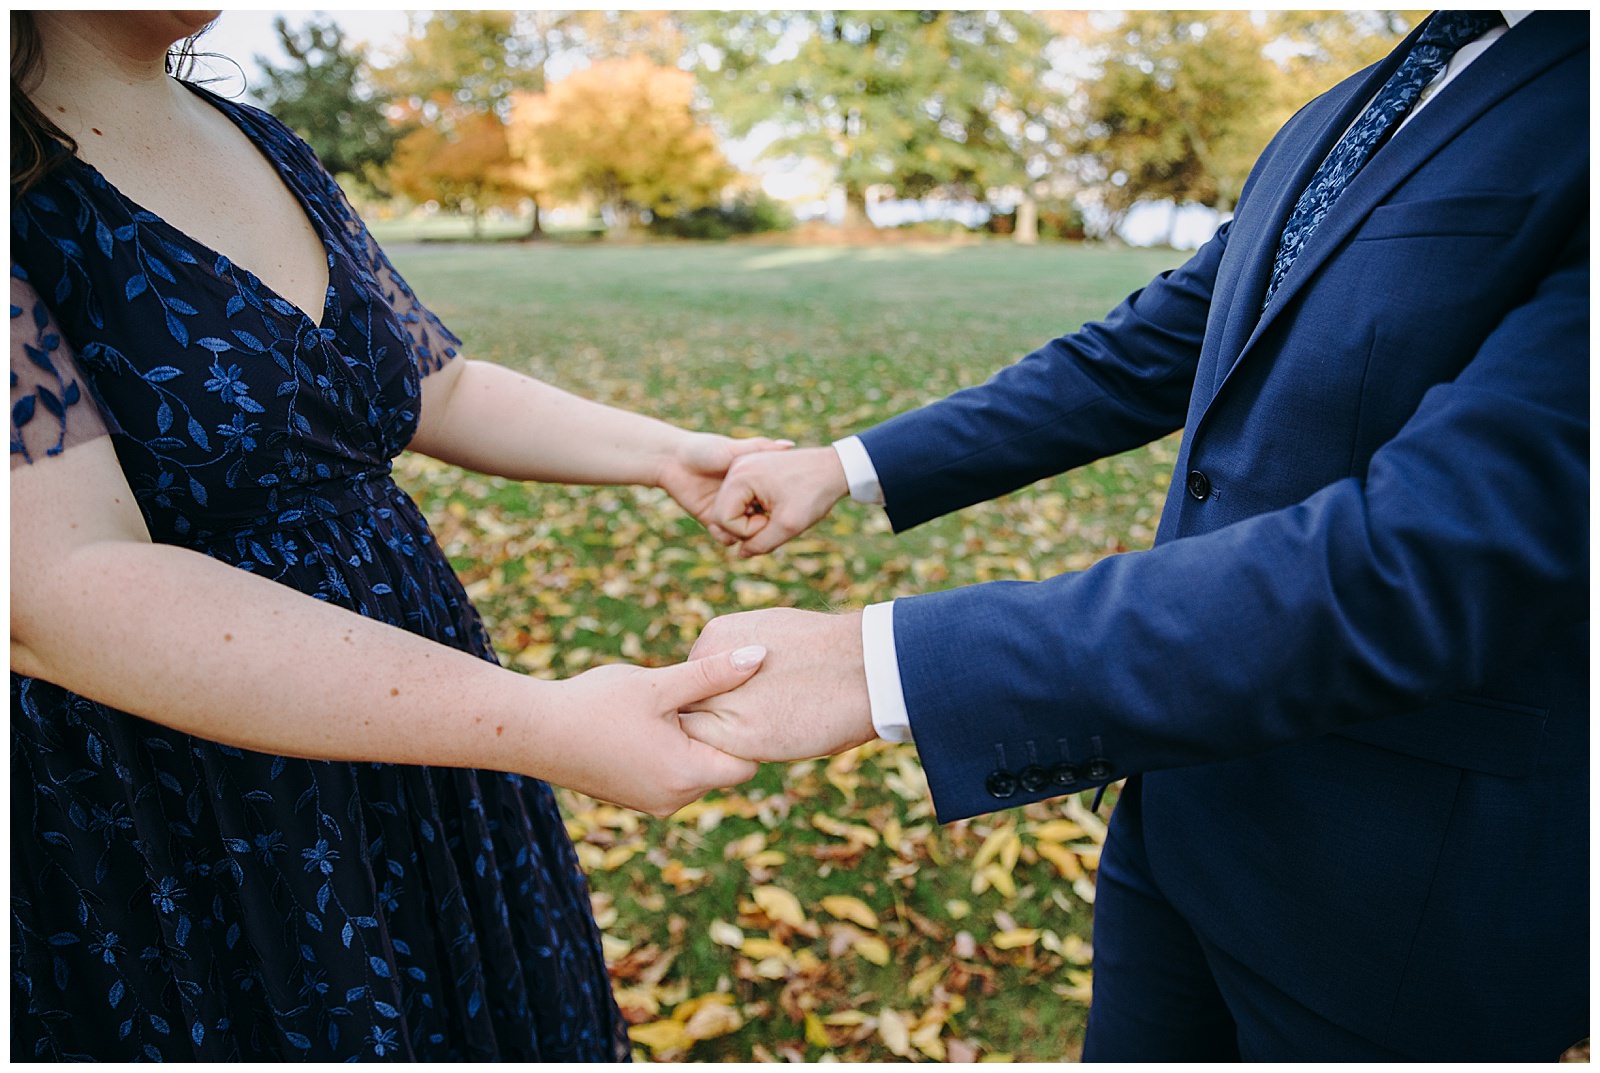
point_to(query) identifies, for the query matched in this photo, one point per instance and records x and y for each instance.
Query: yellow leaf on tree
(1015, 937)
(780, 905)
(852, 909)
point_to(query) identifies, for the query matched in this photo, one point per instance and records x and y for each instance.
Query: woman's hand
(628, 746)
(693, 473)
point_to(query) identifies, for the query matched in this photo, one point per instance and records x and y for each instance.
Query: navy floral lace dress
(173, 898)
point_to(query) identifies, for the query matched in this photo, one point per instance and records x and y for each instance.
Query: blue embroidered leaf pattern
(213, 903)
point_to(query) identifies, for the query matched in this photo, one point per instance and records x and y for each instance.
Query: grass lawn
(819, 910)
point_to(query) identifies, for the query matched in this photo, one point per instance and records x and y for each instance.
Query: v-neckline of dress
(294, 192)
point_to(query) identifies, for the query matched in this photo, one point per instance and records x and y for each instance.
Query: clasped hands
(810, 696)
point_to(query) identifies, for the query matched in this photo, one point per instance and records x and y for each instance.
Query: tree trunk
(1027, 230)
(855, 209)
(535, 232)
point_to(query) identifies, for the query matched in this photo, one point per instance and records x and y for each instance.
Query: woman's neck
(106, 70)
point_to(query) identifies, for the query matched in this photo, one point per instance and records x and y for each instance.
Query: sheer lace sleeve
(432, 344)
(51, 405)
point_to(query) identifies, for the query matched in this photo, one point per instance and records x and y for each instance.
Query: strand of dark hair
(36, 142)
(31, 132)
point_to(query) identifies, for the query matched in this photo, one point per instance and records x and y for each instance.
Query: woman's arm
(197, 645)
(490, 419)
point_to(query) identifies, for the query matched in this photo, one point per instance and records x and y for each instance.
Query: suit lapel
(1528, 49)
(1282, 178)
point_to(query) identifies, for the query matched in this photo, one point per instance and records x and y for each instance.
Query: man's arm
(1462, 550)
(1109, 387)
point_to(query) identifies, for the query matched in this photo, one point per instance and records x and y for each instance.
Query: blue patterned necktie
(1446, 32)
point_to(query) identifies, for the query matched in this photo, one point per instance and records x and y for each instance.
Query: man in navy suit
(1348, 687)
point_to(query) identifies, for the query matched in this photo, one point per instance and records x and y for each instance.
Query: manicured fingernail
(749, 656)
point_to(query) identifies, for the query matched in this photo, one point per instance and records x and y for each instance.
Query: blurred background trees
(640, 117)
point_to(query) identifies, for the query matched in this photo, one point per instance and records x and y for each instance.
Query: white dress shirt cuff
(859, 471)
(889, 716)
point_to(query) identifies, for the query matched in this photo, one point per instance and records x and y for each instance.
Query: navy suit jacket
(1352, 675)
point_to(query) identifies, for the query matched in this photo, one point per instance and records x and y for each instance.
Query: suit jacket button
(1001, 783)
(1034, 778)
(1065, 774)
(1099, 769)
(1199, 484)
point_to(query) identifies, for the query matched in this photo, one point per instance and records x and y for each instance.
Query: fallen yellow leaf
(780, 905)
(852, 909)
(872, 948)
(713, 1020)
(661, 1035)
(767, 858)
(1064, 859)
(895, 1032)
(757, 949)
(1056, 831)
(992, 845)
(1016, 937)
(725, 934)
(846, 1017)
(839, 829)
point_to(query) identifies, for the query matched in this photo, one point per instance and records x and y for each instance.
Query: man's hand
(693, 474)
(810, 698)
(638, 755)
(769, 497)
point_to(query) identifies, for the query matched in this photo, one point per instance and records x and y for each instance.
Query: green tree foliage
(925, 101)
(325, 95)
(1183, 104)
(457, 62)
(1318, 48)
(1184, 101)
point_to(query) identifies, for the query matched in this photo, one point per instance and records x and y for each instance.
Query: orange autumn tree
(464, 165)
(625, 133)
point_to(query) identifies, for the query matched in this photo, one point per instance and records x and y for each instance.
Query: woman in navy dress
(271, 797)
